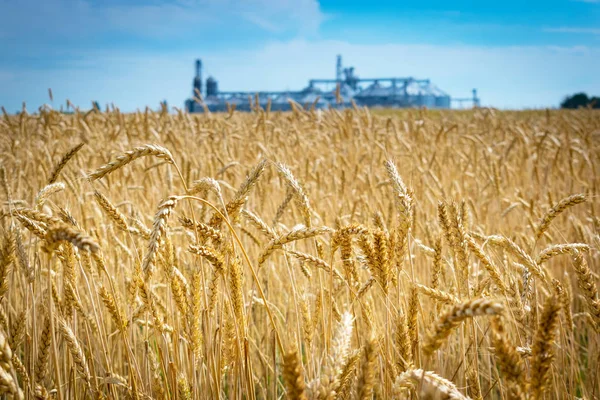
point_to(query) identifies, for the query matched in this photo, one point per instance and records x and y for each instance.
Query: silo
(427, 94)
(374, 95)
(211, 87)
(442, 101)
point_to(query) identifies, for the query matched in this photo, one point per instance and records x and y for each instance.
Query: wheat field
(340, 254)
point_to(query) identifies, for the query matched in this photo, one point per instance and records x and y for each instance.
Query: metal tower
(198, 79)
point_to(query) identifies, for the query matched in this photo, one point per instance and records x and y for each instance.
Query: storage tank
(211, 87)
(442, 101)
(427, 94)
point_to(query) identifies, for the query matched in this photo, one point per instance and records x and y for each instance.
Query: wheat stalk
(130, 156)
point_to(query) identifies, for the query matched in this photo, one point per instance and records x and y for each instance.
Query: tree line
(580, 100)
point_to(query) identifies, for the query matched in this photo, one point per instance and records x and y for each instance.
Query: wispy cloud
(275, 15)
(572, 50)
(575, 30)
(587, 1)
(158, 18)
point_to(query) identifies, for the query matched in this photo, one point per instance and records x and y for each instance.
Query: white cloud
(160, 18)
(576, 30)
(275, 15)
(507, 77)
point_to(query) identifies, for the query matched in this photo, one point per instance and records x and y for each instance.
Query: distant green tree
(580, 100)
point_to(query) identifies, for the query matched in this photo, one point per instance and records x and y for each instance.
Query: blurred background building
(347, 87)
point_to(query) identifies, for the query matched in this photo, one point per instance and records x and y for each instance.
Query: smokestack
(338, 69)
(198, 78)
(198, 68)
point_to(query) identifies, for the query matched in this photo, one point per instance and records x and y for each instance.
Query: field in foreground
(308, 255)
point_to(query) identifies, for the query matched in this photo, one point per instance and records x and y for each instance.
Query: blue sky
(518, 54)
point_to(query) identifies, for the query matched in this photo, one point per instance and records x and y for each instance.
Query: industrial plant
(340, 92)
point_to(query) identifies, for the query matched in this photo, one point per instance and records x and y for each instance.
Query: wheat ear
(453, 317)
(129, 156)
(293, 376)
(66, 158)
(542, 350)
(588, 286)
(63, 232)
(555, 211)
(295, 234)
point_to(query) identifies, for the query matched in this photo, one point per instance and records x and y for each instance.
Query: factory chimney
(198, 78)
(338, 69)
